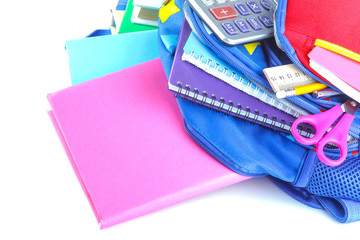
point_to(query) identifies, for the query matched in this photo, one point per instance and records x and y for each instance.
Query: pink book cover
(125, 139)
(344, 68)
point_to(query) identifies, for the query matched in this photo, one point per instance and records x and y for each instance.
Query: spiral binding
(228, 108)
(212, 103)
(231, 104)
(203, 101)
(264, 119)
(187, 92)
(255, 119)
(194, 98)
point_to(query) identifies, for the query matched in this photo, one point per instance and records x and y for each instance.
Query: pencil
(295, 91)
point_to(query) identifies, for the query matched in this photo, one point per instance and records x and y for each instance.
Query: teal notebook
(196, 53)
(110, 53)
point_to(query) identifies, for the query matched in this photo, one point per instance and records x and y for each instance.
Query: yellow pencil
(300, 90)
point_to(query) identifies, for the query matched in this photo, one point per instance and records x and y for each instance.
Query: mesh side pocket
(342, 181)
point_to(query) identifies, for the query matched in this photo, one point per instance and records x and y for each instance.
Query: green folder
(126, 24)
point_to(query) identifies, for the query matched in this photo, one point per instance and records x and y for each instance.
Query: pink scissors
(322, 122)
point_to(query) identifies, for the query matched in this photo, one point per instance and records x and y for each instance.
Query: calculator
(237, 21)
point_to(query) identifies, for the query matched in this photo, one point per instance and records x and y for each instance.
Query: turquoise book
(110, 53)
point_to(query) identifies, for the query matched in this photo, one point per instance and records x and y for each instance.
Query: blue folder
(109, 53)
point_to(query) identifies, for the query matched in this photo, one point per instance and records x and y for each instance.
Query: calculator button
(208, 2)
(220, 1)
(266, 21)
(254, 7)
(265, 5)
(229, 28)
(222, 13)
(254, 24)
(242, 26)
(242, 9)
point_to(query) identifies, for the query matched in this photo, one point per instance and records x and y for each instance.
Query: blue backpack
(295, 168)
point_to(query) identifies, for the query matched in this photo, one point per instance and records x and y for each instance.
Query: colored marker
(295, 91)
(325, 93)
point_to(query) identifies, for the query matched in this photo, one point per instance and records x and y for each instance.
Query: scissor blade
(350, 107)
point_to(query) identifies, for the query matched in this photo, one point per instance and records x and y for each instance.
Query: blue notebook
(110, 53)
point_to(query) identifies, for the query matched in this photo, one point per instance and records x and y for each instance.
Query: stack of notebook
(205, 81)
(127, 160)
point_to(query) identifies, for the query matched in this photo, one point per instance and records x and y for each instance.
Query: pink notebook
(339, 70)
(124, 136)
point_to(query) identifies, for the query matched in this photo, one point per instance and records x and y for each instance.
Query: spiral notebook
(196, 85)
(196, 53)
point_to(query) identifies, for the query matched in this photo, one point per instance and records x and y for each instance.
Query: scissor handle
(321, 122)
(338, 136)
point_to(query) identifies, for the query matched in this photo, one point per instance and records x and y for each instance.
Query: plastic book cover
(127, 160)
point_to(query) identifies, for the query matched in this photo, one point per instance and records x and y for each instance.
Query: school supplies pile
(111, 126)
(258, 108)
(326, 170)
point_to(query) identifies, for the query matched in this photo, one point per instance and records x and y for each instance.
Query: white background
(40, 197)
